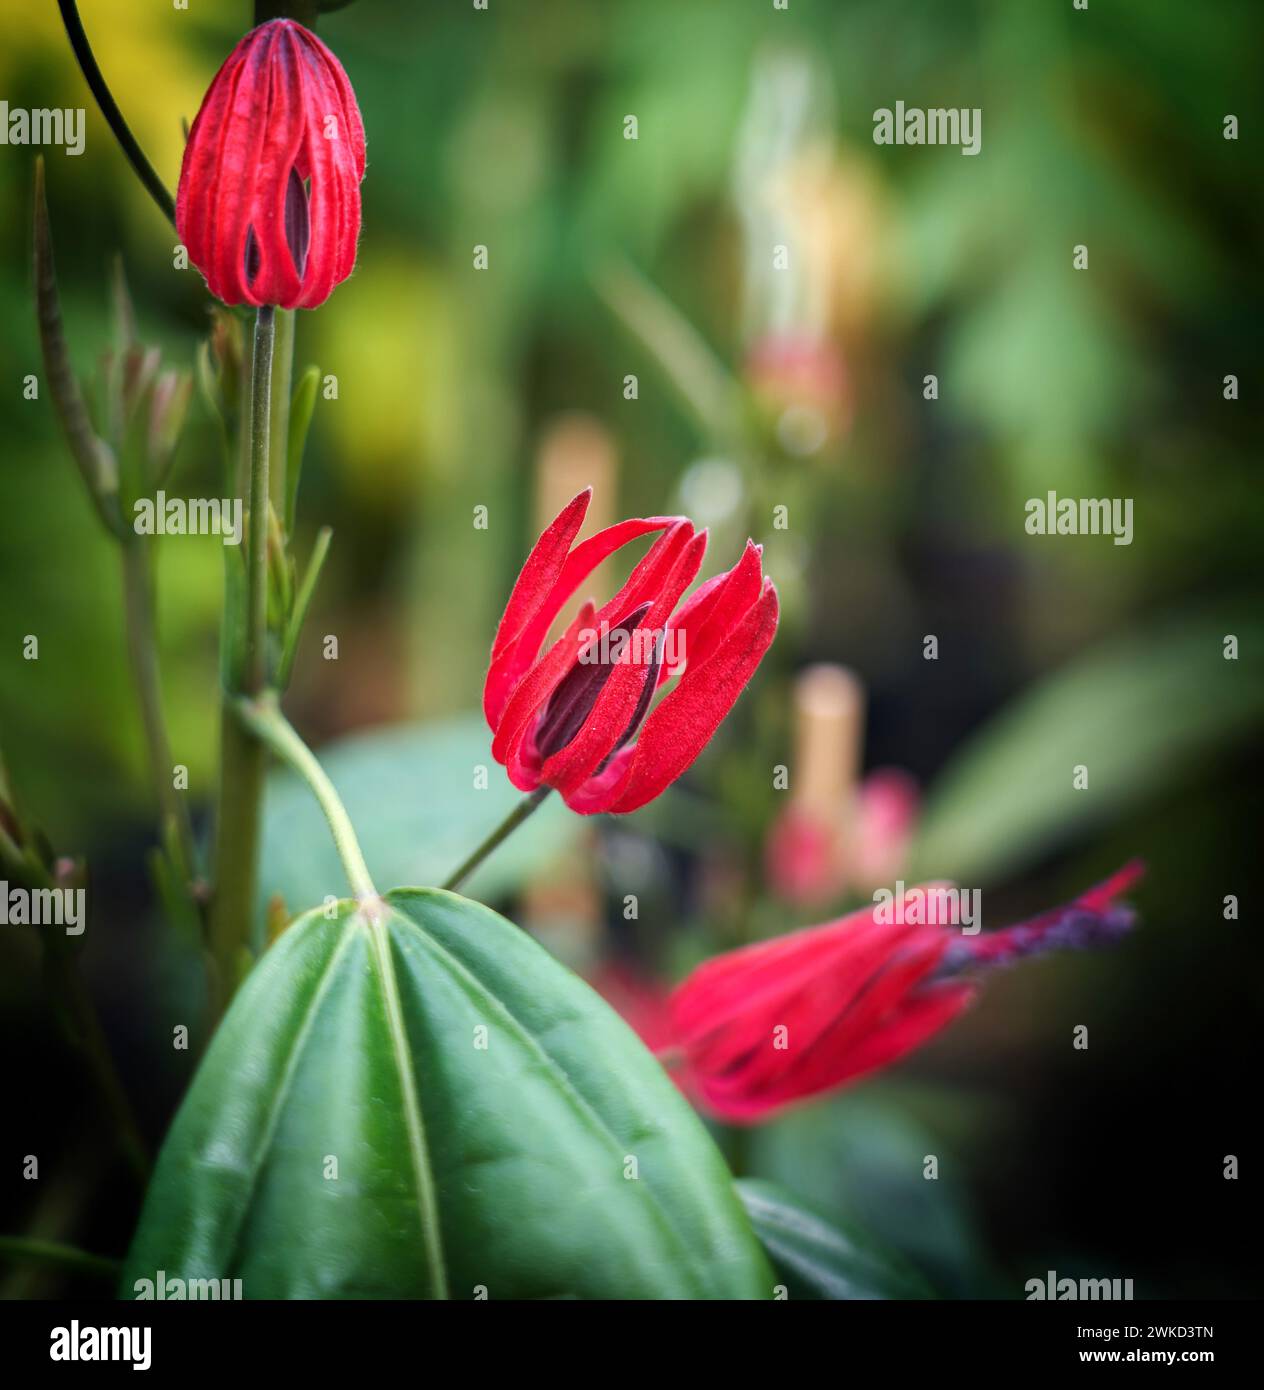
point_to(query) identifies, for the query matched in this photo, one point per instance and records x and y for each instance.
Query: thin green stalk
(502, 832)
(242, 758)
(142, 647)
(51, 1252)
(256, 674)
(264, 719)
(109, 109)
(236, 866)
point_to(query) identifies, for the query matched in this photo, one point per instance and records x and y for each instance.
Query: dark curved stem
(109, 109)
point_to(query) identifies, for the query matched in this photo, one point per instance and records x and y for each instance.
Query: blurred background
(875, 404)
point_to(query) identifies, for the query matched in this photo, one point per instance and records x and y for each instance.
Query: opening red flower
(756, 1029)
(567, 719)
(269, 200)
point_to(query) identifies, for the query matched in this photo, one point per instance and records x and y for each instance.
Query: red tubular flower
(756, 1029)
(566, 718)
(269, 200)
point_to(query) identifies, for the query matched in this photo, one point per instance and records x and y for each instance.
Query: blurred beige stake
(829, 729)
(577, 451)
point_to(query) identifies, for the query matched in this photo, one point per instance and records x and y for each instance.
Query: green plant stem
(238, 813)
(502, 832)
(140, 621)
(242, 758)
(263, 717)
(51, 1252)
(256, 673)
(282, 387)
(145, 171)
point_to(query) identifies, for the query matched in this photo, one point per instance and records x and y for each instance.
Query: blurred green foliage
(505, 129)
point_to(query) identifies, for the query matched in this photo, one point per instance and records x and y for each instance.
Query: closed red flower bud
(567, 718)
(756, 1029)
(269, 200)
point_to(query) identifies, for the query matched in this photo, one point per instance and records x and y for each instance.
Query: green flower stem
(236, 864)
(109, 109)
(263, 717)
(502, 832)
(256, 673)
(282, 386)
(242, 758)
(28, 1249)
(140, 621)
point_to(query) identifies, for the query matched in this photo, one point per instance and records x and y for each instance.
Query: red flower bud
(754, 1030)
(269, 200)
(566, 719)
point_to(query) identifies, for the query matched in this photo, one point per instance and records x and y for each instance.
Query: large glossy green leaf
(815, 1257)
(494, 1125)
(1136, 712)
(411, 794)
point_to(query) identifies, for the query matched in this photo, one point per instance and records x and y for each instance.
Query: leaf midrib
(423, 1170)
(588, 1113)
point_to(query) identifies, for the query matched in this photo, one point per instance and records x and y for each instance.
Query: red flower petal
(683, 722)
(279, 114)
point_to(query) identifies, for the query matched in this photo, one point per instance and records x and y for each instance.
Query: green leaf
(302, 404)
(302, 602)
(465, 1158)
(411, 795)
(1137, 712)
(816, 1258)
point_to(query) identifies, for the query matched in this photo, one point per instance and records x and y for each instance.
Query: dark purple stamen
(576, 693)
(253, 260)
(298, 223)
(1073, 929)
